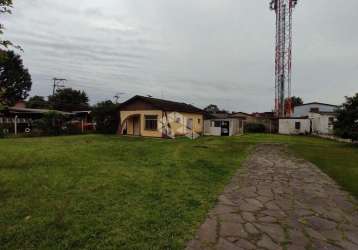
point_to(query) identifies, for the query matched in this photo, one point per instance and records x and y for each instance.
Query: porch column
(15, 124)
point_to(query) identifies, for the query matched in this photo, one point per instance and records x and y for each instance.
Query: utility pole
(58, 83)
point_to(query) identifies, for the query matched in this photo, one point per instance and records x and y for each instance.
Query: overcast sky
(200, 52)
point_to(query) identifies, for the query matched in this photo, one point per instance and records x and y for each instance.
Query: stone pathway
(280, 202)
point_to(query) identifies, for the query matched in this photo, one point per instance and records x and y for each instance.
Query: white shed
(294, 126)
(223, 127)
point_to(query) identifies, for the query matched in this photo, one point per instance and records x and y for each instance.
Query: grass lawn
(106, 192)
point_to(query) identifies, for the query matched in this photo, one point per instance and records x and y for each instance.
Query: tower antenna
(283, 55)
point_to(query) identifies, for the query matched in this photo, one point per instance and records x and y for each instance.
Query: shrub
(106, 116)
(52, 123)
(255, 128)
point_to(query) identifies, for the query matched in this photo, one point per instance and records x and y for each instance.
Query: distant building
(310, 118)
(313, 107)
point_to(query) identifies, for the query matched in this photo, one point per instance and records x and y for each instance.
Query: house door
(225, 128)
(136, 126)
(189, 124)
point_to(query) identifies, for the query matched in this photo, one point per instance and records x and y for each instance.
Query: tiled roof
(165, 105)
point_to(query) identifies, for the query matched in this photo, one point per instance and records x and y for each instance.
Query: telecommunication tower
(283, 55)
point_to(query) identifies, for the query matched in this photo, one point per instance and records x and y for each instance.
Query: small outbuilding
(223, 124)
(295, 126)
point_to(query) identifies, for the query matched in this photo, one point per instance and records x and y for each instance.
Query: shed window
(217, 124)
(330, 121)
(151, 122)
(314, 110)
(298, 125)
(199, 121)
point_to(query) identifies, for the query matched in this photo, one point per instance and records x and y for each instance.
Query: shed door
(225, 128)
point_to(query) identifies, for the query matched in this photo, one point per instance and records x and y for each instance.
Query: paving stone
(348, 245)
(207, 232)
(267, 243)
(251, 229)
(247, 245)
(228, 229)
(227, 245)
(297, 239)
(267, 219)
(277, 192)
(353, 237)
(273, 230)
(233, 217)
(224, 209)
(314, 234)
(247, 216)
(322, 245)
(320, 224)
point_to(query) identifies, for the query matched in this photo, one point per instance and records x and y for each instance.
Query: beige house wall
(178, 127)
(142, 114)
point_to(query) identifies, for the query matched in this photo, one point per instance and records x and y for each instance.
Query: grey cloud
(201, 52)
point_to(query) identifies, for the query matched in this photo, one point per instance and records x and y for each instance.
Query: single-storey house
(152, 117)
(311, 118)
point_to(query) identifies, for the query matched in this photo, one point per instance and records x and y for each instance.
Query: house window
(199, 121)
(177, 120)
(314, 110)
(297, 125)
(151, 122)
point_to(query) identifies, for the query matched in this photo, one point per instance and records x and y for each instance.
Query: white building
(322, 122)
(223, 124)
(311, 118)
(313, 107)
(294, 126)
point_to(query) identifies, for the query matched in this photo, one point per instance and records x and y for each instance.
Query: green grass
(106, 192)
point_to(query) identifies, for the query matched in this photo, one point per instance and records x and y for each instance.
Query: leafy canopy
(37, 102)
(5, 8)
(106, 116)
(346, 125)
(69, 100)
(15, 80)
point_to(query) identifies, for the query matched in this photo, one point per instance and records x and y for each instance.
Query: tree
(15, 80)
(346, 125)
(37, 102)
(69, 100)
(212, 109)
(5, 8)
(296, 101)
(52, 123)
(106, 116)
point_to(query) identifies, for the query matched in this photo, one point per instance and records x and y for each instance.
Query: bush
(52, 123)
(106, 116)
(255, 128)
(4, 130)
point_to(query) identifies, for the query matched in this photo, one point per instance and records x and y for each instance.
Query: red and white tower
(283, 61)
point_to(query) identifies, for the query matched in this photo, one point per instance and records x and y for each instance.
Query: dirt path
(280, 202)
